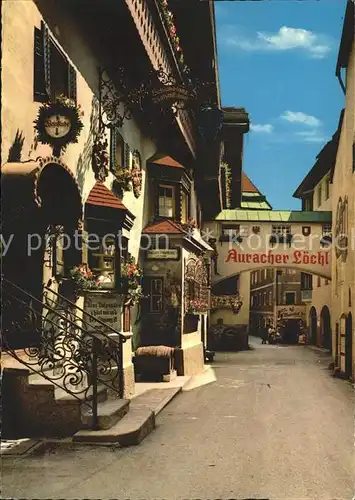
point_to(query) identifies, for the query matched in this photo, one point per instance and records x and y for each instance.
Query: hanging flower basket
(171, 28)
(227, 173)
(81, 279)
(233, 302)
(197, 307)
(123, 181)
(131, 282)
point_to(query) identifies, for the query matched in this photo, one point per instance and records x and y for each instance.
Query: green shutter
(71, 82)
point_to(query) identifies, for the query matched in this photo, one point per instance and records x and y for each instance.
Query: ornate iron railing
(62, 343)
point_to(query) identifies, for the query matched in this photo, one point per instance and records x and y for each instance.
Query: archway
(38, 196)
(348, 345)
(325, 327)
(313, 325)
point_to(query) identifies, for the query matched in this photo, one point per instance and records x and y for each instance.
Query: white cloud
(267, 128)
(311, 136)
(299, 117)
(317, 46)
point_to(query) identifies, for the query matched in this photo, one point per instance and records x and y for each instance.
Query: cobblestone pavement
(274, 425)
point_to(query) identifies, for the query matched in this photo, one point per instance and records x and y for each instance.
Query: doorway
(313, 326)
(326, 332)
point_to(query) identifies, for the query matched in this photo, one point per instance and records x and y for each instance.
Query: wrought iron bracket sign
(159, 93)
(58, 124)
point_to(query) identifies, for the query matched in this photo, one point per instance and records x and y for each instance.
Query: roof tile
(101, 196)
(164, 227)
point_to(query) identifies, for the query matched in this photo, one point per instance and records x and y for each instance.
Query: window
(230, 231)
(284, 230)
(290, 298)
(119, 155)
(327, 188)
(53, 74)
(306, 281)
(308, 204)
(155, 292)
(184, 207)
(166, 201)
(104, 262)
(319, 195)
(319, 282)
(354, 157)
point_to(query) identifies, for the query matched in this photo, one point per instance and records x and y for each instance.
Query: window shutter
(39, 90)
(46, 59)
(71, 83)
(113, 149)
(126, 155)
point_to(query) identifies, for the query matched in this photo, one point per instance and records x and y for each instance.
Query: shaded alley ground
(274, 425)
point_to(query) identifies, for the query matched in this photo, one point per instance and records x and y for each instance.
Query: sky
(277, 60)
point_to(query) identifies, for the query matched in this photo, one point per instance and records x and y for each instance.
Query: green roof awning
(274, 216)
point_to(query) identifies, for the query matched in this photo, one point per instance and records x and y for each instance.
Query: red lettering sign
(299, 257)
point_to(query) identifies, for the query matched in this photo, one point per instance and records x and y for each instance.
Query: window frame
(173, 190)
(43, 86)
(148, 285)
(290, 292)
(102, 256)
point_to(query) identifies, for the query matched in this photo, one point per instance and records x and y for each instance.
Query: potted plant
(81, 279)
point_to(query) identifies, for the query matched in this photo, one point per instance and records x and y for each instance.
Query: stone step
(136, 424)
(61, 395)
(109, 413)
(130, 430)
(155, 399)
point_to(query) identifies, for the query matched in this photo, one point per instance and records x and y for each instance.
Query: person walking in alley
(264, 335)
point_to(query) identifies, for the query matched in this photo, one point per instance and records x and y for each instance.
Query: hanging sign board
(163, 254)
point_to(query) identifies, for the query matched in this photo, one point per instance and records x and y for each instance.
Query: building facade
(81, 159)
(343, 207)
(315, 192)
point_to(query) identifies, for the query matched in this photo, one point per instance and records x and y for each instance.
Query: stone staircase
(39, 409)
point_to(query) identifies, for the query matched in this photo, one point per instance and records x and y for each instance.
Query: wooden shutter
(71, 82)
(46, 59)
(39, 89)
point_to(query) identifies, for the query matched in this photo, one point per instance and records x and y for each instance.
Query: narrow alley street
(274, 425)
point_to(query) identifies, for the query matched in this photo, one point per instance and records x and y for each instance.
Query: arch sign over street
(278, 239)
